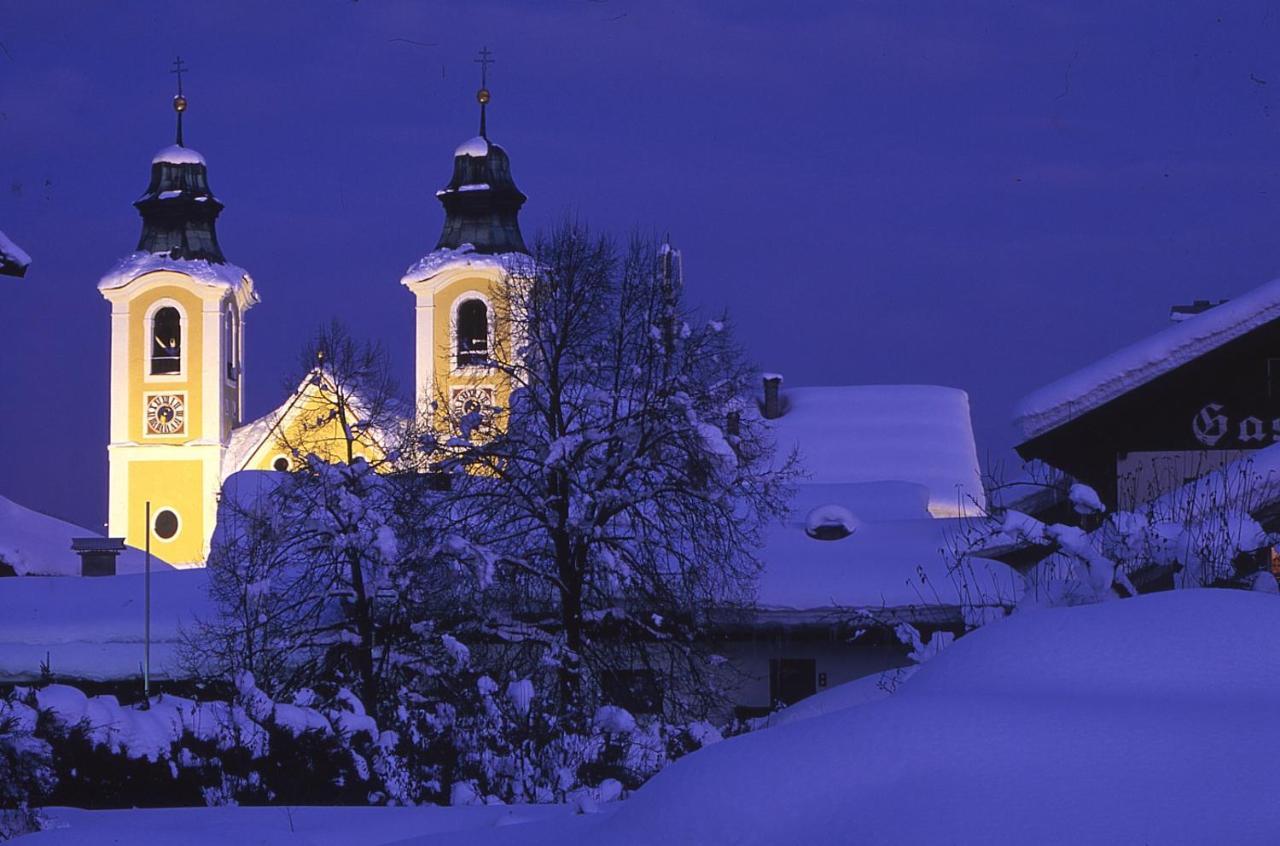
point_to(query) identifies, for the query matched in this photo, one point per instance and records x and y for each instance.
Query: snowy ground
(1146, 720)
(297, 826)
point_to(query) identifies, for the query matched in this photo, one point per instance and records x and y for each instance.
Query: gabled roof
(1140, 363)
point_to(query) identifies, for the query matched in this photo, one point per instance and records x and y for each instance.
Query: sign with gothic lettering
(1214, 426)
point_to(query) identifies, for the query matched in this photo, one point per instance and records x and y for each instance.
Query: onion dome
(482, 202)
(178, 209)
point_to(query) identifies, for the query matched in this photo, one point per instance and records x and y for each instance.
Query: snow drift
(1141, 720)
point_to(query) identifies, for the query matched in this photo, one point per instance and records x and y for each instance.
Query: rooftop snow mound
(35, 544)
(1135, 365)
(465, 255)
(177, 155)
(474, 147)
(13, 256)
(129, 268)
(94, 628)
(886, 433)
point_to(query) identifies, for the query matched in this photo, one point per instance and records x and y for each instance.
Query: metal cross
(484, 61)
(178, 68)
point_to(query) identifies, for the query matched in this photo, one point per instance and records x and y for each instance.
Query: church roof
(1137, 364)
(178, 209)
(481, 201)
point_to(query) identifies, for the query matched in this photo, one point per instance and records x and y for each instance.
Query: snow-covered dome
(830, 522)
(174, 154)
(474, 147)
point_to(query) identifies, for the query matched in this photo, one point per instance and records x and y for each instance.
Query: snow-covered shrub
(26, 775)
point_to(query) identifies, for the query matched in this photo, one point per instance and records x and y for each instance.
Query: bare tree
(619, 495)
(312, 571)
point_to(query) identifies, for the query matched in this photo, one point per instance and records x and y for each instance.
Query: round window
(281, 464)
(166, 524)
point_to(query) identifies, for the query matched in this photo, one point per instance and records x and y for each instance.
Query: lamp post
(146, 631)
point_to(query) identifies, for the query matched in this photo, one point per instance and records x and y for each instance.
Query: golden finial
(482, 96)
(179, 101)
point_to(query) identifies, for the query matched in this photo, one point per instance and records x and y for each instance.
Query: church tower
(454, 285)
(177, 339)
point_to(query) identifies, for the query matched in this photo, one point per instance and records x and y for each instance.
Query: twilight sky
(985, 195)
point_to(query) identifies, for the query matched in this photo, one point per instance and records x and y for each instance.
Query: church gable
(307, 423)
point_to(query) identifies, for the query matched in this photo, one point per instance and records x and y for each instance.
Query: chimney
(772, 396)
(97, 555)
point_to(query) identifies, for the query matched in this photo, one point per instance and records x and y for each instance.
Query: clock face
(166, 414)
(470, 400)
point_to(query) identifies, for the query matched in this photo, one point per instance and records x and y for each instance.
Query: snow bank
(1135, 721)
(92, 628)
(37, 544)
(174, 154)
(309, 825)
(1137, 364)
(129, 268)
(877, 433)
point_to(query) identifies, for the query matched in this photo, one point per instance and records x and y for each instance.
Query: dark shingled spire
(481, 202)
(178, 209)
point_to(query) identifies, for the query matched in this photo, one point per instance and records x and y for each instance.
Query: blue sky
(985, 195)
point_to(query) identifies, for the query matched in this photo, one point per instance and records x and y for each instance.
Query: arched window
(473, 333)
(166, 341)
(229, 337)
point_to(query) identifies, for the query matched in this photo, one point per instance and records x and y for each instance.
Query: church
(178, 318)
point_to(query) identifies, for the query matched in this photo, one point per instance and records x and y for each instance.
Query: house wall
(1225, 401)
(839, 661)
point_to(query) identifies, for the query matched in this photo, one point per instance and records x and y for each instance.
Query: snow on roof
(888, 563)
(37, 544)
(466, 255)
(93, 628)
(877, 433)
(129, 268)
(13, 255)
(1137, 364)
(474, 147)
(248, 438)
(177, 155)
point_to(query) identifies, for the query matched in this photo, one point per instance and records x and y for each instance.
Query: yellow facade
(304, 426)
(443, 383)
(171, 418)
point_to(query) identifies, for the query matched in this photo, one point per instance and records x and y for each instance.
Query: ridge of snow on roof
(437, 260)
(886, 433)
(475, 147)
(129, 268)
(1139, 363)
(173, 154)
(882, 564)
(39, 545)
(12, 252)
(92, 628)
